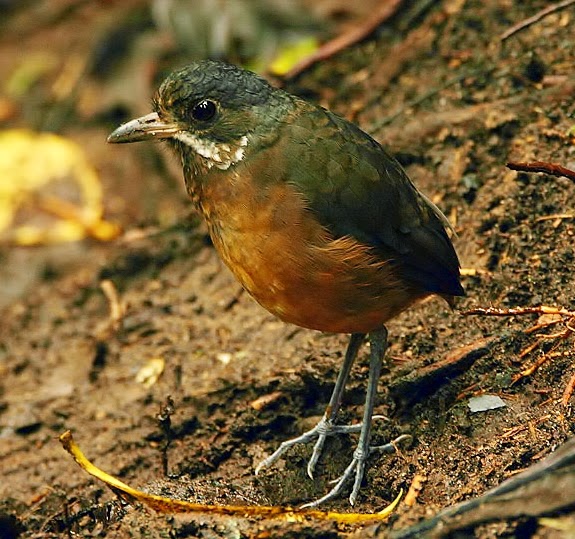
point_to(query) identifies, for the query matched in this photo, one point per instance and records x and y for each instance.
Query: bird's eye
(205, 110)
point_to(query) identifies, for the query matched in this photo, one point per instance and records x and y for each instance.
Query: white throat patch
(220, 155)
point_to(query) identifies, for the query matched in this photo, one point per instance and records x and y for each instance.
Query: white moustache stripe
(220, 155)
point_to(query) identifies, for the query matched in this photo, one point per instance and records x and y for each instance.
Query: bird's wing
(357, 189)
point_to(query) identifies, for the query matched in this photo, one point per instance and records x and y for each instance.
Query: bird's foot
(355, 469)
(320, 432)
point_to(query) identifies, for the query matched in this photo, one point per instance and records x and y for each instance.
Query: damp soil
(454, 104)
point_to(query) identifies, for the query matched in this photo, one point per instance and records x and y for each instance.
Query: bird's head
(211, 112)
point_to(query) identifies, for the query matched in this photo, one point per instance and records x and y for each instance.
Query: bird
(319, 223)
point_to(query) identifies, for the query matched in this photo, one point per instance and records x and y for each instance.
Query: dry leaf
(168, 505)
(49, 192)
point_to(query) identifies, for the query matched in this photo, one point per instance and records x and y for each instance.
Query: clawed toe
(320, 433)
(391, 447)
(355, 469)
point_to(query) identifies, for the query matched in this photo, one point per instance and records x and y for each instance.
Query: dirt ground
(454, 102)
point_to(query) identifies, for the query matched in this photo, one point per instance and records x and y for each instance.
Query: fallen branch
(545, 488)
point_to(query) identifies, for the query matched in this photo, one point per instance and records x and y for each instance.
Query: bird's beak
(145, 128)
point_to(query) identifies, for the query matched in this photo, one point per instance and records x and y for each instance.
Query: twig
(535, 366)
(569, 388)
(514, 431)
(555, 217)
(567, 319)
(164, 418)
(542, 309)
(385, 11)
(118, 307)
(544, 488)
(543, 166)
(537, 17)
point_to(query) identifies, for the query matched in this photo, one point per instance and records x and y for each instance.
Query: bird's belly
(327, 285)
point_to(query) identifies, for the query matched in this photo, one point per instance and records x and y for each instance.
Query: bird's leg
(378, 345)
(326, 426)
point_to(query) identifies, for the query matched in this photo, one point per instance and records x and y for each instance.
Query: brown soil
(64, 365)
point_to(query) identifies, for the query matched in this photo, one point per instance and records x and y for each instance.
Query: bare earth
(65, 365)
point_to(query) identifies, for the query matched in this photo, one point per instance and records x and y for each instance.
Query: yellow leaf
(291, 54)
(43, 175)
(163, 504)
(148, 375)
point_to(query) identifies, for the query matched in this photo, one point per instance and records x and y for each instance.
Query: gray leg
(378, 344)
(325, 427)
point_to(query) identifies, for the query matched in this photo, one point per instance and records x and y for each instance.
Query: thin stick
(543, 166)
(515, 311)
(568, 392)
(375, 19)
(538, 16)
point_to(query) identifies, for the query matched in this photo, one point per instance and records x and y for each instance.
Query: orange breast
(293, 268)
